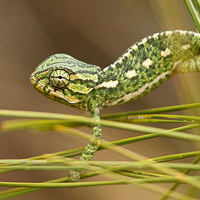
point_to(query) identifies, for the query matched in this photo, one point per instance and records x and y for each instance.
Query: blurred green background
(93, 31)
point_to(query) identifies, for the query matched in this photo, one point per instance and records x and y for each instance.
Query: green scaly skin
(142, 68)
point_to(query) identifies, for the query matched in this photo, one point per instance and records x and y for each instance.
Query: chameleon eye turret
(59, 79)
(143, 67)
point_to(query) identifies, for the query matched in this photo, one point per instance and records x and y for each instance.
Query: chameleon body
(143, 67)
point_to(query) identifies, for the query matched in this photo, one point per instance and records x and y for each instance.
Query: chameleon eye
(59, 78)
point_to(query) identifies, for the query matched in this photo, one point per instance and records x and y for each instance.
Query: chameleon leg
(91, 148)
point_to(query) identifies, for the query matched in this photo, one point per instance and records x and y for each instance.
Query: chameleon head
(64, 79)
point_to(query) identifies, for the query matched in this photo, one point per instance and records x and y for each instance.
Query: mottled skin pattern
(142, 68)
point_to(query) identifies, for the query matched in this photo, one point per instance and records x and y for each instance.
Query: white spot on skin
(147, 63)
(144, 41)
(130, 74)
(155, 36)
(109, 84)
(135, 47)
(113, 66)
(168, 33)
(181, 32)
(186, 46)
(166, 52)
(130, 96)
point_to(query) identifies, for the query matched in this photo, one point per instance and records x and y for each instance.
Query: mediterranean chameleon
(143, 67)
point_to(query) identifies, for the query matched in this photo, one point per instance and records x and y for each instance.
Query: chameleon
(143, 67)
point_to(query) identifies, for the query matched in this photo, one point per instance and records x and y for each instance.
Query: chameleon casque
(143, 67)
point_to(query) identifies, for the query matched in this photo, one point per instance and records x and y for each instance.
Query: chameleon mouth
(50, 93)
(33, 80)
